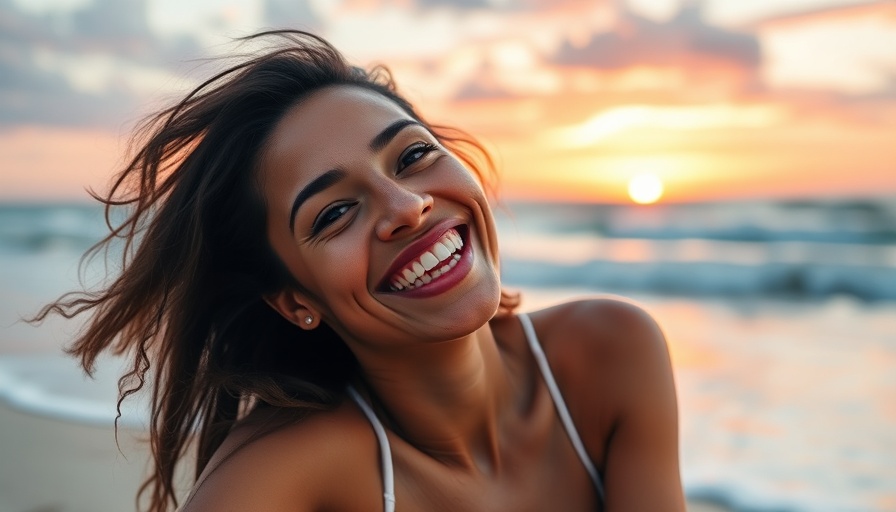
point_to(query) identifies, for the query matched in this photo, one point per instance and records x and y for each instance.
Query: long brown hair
(187, 306)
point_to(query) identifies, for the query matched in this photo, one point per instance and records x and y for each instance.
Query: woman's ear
(295, 308)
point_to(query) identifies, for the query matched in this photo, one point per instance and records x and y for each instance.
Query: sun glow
(694, 118)
(645, 188)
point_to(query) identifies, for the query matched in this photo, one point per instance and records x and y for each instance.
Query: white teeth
(441, 252)
(424, 271)
(428, 260)
(418, 269)
(426, 278)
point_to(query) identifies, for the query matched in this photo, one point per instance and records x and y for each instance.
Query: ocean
(780, 318)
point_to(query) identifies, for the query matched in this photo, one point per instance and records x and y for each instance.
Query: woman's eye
(414, 153)
(329, 216)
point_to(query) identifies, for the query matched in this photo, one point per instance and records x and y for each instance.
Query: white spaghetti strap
(385, 450)
(560, 404)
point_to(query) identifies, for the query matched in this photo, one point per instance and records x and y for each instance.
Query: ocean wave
(54, 386)
(39, 228)
(740, 497)
(871, 221)
(701, 278)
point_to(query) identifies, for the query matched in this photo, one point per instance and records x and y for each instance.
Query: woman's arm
(622, 395)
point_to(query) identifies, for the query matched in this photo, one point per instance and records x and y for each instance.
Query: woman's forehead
(337, 117)
(323, 131)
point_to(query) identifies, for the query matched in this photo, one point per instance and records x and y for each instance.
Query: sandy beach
(48, 465)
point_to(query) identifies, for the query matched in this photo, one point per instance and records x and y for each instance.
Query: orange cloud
(837, 13)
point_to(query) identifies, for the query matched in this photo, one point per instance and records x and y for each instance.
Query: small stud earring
(309, 320)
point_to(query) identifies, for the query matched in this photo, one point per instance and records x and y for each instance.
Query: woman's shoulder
(298, 464)
(611, 361)
(602, 328)
(603, 351)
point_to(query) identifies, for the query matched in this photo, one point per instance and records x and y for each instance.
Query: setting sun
(645, 188)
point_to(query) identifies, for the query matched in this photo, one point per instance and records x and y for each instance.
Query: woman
(311, 285)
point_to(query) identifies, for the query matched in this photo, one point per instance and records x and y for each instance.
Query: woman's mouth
(432, 264)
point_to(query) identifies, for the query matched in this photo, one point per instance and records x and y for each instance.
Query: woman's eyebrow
(384, 137)
(317, 185)
(333, 176)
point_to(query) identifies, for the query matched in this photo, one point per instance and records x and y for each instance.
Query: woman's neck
(446, 398)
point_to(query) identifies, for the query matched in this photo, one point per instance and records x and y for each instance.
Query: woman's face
(390, 235)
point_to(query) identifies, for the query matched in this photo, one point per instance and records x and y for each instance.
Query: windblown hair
(187, 307)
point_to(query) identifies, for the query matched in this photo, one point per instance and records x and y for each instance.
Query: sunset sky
(718, 98)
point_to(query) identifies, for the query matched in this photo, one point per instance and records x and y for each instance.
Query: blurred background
(729, 165)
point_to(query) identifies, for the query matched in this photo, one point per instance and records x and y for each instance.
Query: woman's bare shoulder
(611, 361)
(605, 347)
(601, 327)
(300, 465)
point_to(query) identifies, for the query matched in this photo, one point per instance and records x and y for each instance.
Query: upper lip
(415, 249)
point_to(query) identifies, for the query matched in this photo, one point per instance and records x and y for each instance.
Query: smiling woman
(311, 278)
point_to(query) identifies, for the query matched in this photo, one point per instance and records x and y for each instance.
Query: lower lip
(446, 281)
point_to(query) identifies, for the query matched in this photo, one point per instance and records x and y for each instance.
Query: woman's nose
(405, 210)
